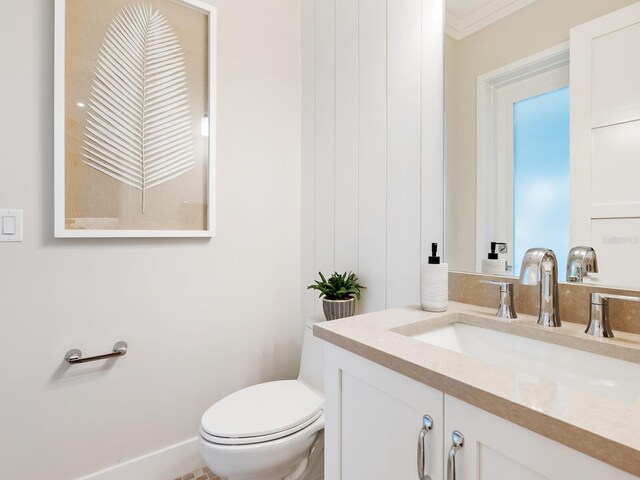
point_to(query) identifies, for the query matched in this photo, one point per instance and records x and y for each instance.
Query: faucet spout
(581, 262)
(540, 267)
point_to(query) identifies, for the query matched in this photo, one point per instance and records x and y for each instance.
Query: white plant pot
(334, 309)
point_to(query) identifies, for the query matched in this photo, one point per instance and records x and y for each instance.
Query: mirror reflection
(543, 137)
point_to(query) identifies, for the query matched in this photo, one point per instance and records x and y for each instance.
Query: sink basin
(599, 375)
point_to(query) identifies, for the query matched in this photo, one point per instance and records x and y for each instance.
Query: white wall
(202, 318)
(537, 27)
(372, 143)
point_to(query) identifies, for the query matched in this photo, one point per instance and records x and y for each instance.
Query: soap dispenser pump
(493, 264)
(434, 283)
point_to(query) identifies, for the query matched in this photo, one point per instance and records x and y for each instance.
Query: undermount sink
(579, 370)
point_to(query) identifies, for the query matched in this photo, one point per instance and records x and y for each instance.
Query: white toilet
(268, 431)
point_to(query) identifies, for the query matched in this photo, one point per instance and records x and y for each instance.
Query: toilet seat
(262, 413)
(258, 439)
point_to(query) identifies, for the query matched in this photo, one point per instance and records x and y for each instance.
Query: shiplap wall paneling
(308, 146)
(404, 65)
(347, 124)
(325, 139)
(372, 143)
(432, 98)
(372, 179)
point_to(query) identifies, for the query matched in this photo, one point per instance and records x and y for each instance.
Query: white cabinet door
(605, 142)
(373, 421)
(495, 449)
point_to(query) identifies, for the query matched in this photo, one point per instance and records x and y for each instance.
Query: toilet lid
(263, 410)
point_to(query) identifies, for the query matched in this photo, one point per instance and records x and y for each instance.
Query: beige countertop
(601, 428)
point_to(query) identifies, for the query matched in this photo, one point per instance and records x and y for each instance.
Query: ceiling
(464, 17)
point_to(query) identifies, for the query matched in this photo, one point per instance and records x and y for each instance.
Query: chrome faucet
(507, 308)
(581, 262)
(540, 267)
(599, 325)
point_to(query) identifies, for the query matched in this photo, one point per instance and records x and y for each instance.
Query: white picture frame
(60, 227)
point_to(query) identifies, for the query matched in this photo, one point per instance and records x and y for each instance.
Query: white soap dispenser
(434, 283)
(494, 265)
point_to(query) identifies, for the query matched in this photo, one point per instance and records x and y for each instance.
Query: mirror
(542, 130)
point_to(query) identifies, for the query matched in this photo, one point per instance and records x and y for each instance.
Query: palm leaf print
(138, 128)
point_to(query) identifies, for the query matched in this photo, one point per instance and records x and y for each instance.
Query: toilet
(268, 431)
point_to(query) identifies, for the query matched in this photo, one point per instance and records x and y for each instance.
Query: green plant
(338, 286)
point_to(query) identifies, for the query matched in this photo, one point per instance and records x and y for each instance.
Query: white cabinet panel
(616, 164)
(617, 241)
(492, 465)
(495, 449)
(616, 57)
(374, 417)
(605, 138)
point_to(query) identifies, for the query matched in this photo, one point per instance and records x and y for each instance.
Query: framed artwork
(134, 118)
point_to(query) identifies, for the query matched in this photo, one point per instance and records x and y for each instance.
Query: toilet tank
(312, 361)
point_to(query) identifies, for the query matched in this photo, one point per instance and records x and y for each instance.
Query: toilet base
(283, 459)
(296, 475)
(290, 473)
(315, 467)
(299, 471)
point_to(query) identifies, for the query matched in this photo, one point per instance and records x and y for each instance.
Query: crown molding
(458, 28)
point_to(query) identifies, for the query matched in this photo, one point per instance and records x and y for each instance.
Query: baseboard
(165, 464)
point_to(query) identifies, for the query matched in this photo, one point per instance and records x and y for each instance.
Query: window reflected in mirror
(541, 175)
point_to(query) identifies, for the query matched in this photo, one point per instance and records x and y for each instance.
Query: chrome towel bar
(75, 356)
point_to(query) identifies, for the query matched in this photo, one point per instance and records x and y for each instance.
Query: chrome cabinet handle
(427, 424)
(458, 442)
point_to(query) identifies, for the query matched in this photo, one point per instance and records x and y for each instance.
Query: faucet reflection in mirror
(581, 262)
(540, 267)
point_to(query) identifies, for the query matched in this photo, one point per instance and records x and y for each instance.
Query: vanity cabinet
(374, 420)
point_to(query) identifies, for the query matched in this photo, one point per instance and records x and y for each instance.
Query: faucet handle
(603, 298)
(503, 285)
(506, 309)
(599, 325)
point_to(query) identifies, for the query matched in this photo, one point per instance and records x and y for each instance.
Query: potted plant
(339, 294)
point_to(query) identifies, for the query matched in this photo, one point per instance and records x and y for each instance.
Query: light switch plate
(10, 225)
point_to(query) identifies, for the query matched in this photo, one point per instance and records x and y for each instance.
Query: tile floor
(315, 470)
(200, 474)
